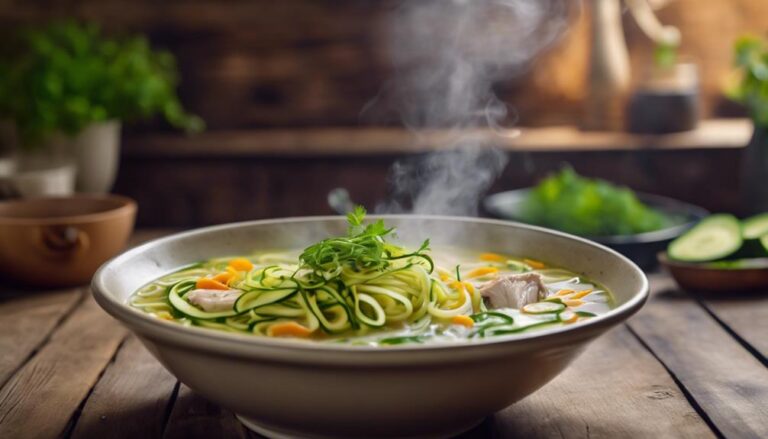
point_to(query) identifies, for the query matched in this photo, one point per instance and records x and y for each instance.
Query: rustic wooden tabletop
(682, 367)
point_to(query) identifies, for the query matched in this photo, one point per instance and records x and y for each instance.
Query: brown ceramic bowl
(705, 278)
(60, 242)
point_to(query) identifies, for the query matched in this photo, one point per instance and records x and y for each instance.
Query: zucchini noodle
(361, 289)
(350, 302)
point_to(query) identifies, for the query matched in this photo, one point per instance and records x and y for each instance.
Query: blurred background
(298, 97)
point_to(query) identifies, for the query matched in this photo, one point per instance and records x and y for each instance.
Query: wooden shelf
(711, 134)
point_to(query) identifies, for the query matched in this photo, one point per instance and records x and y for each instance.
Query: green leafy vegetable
(65, 76)
(751, 58)
(364, 248)
(589, 207)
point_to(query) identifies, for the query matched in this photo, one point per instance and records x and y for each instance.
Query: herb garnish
(364, 248)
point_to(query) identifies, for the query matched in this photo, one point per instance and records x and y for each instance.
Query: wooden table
(682, 367)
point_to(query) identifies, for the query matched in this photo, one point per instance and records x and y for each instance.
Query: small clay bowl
(60, 242)
(704, 278)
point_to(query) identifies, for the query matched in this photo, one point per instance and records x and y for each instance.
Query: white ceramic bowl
(286, 388)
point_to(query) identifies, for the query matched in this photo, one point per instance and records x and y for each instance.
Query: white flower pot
(87, 162)
(56, 179)
(96, 154)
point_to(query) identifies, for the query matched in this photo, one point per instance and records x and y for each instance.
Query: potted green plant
(751, 89)
(66, 88)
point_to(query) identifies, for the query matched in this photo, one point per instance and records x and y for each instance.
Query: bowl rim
(123, 206)
(693, 214)
(230, 343)
(674, 264)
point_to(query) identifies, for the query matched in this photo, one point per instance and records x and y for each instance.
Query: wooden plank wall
(265, 63)
(188, 192)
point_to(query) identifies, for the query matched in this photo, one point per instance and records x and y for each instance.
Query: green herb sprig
(364, 248)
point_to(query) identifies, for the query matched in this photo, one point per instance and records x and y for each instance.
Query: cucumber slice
(715, 237)
(764, 242)
(543, 308)
(755, 226)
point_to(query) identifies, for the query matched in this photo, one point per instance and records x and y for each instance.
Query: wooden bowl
(702, 277)
(60, 242)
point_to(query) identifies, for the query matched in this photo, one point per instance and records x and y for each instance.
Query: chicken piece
(213, 300)
(513, 290)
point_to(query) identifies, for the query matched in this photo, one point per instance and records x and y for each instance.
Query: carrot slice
(206, 283)
(534, 263)
(493, 257)
(581, 294)
(481, 271)
(564, 292)
(223, 277)
(288, 329)
(574, 303)
(463, 320)
(241, 264)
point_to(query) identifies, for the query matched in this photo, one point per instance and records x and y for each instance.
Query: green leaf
(751, 59)
(356, 217)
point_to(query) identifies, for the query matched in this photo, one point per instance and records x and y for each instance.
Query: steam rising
(447, 183)
(448, 54)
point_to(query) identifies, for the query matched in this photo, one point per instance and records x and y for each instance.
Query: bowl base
(273, 432)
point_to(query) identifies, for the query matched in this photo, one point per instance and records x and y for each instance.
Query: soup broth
(360, 289)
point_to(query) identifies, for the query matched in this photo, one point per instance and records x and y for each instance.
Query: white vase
(53, 180)
(87, 162)
(609, 74)
(96, 154)
(38, 172)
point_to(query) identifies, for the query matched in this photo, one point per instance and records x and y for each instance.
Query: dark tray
(640, 248)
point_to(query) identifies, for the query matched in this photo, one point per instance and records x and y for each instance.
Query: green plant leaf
(589, 207)
(751, 60)
(67, 75)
